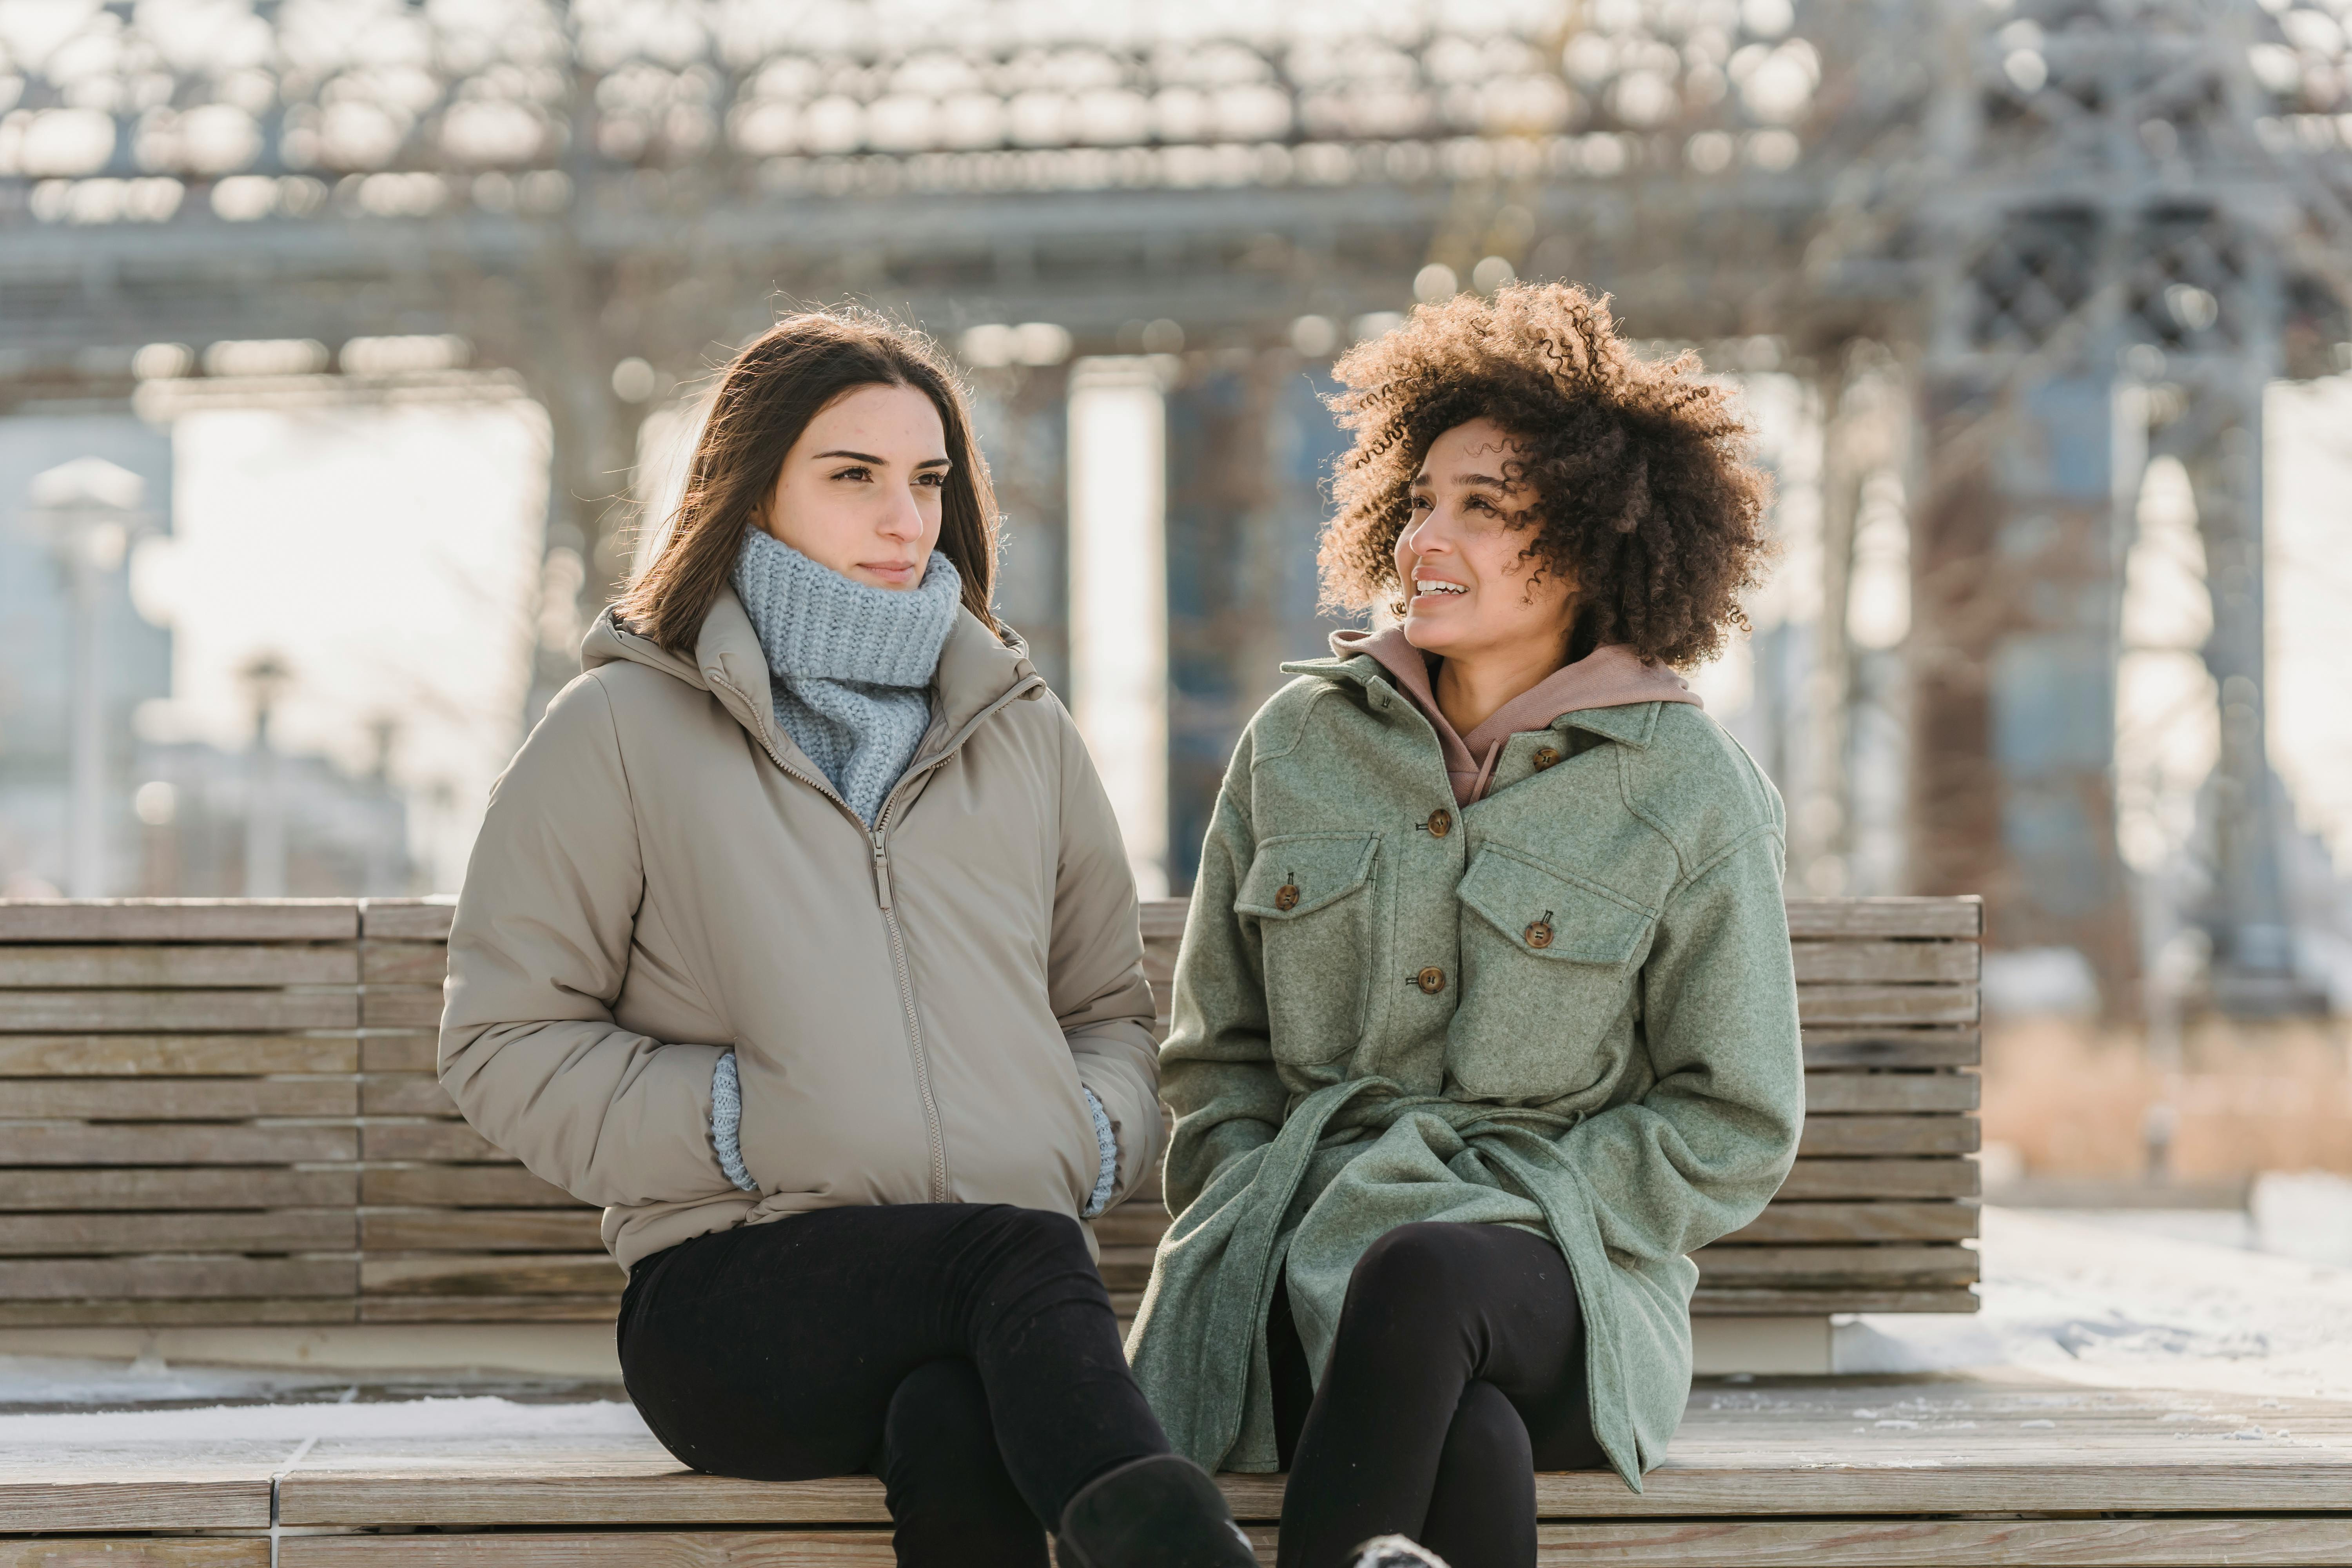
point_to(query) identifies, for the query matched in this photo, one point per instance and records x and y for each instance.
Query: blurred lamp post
(86, 511)
(264, 677)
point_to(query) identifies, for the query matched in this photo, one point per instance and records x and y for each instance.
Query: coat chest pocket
(1549, 962)
(1311, 895)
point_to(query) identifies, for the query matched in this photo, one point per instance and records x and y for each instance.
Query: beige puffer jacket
(663, 875)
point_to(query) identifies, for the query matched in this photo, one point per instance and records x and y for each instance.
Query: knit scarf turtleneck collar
(851, 665)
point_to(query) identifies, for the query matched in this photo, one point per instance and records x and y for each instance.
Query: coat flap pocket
(1299, 873)
(1550, 914)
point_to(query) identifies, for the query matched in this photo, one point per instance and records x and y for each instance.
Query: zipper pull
(881, 870)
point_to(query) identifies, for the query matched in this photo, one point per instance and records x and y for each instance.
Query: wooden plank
(1808, 1303)
(1913, 1093)
(552, 1274)
(2322, 1541)
(1935, 918)
(1886, 962)
(147, 1012)
(1836, 1222)
(135, 1552)
(1844, 1006)
(1894, 1047)
(404, 1094)
(598, 1309)
(574, 1229)
(401, 1007)
(426, 1141)
(178, 1099)
(1131, 1225)
(404, 964)
(480, 1186)
(149, 967)
(1819, 1180)
(869, 1548)
(1792, 1448)
(1937, 1543)
(406, 920)
(1833, 1268)
(1860, 1136)
(219, 1187)
(1127, 1267)
(179, 920)
(399, 1053)
(1164, 919)
(175, 1056)
(141, 1278)
(179, 1312)
(258, 1230)
(169, 1144)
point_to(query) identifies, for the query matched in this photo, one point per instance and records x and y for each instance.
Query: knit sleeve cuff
(1107, 1150)
(727, 1122)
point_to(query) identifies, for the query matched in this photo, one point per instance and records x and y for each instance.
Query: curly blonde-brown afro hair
(1643, 490)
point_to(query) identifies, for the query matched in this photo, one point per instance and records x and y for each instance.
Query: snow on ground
(2099, 1300)
(2108, 1300)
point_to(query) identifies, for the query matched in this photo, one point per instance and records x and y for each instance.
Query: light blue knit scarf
(850, 665)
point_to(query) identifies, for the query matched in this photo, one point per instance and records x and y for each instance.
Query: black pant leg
(1432, 1310)
(772, 1351)
(1482, 1511)
(955, 1505)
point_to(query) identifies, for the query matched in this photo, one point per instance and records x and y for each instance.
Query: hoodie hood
(1612, 676)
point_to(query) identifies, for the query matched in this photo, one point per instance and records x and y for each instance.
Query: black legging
(1457, 1373)
(964, 1353)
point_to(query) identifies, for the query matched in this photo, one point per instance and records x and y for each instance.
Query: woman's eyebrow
(859, 457)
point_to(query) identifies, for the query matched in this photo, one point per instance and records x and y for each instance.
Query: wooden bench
(1854, 1473)
(224, 1113)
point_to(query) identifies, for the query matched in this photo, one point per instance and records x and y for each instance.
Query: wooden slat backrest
(226, 1113)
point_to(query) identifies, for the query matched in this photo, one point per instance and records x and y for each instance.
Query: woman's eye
(1417, 503)
(861, 474)
(937, 481)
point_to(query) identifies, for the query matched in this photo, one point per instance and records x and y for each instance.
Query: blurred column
(85, 510)
(1119, 596)
(265, 678)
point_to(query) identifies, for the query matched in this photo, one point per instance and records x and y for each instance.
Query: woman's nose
(904, 520)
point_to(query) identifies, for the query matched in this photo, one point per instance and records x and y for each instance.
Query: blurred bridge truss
(2073, 234)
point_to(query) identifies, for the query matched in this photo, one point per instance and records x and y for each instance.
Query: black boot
(1159, 1512)
(1396, 1551)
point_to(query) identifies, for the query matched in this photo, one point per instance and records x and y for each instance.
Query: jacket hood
(977, 670)
(1612, 676)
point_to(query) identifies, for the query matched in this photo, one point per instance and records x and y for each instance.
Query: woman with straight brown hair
(799, 936)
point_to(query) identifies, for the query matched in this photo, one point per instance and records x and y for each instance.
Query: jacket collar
(1627, 725)
(977, 671)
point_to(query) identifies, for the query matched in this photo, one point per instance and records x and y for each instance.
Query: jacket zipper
(877, 837)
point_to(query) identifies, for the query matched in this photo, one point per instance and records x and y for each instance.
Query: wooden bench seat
(224, 1113)
(1853, 1473)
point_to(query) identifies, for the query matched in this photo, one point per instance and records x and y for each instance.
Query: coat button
(1539, 932)
(1546, 756)
(1431, 980)
(1286, 898)
(1440, 823)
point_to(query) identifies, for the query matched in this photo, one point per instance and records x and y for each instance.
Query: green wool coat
(1569, 1006)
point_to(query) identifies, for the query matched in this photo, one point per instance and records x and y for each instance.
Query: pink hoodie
(1609, 677)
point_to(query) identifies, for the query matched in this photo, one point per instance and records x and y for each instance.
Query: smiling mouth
(1422, 588)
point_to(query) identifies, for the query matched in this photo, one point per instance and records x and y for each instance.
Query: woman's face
(859, 491)
(1469, 589)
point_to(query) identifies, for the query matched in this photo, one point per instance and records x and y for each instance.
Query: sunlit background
(350, 352)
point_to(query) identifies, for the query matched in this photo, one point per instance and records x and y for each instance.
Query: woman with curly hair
(1485, 1016)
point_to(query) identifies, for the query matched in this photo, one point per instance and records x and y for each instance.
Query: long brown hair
(766, 397)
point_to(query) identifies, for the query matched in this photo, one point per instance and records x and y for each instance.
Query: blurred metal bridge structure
(2022, 216)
